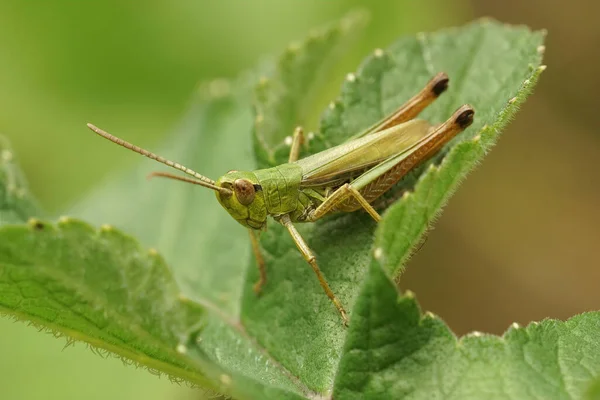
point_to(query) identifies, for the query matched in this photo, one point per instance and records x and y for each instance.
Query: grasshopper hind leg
(413, 106)
(339, 197)
(368, 187)
(297, 140)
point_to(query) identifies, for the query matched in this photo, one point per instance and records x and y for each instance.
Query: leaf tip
(474, 334)
(486, 20)
(225, 379)
(106, 228)
(262, 81)
(378, 253)
(293, 48)
(36, 224)
(351, 77)
(183, 298)
(181, 348)
(429, 315)
(219, 88)
(153, 252)
(378, 53)
(409, 295)
(542, 68)
(541, 49)
(485, 128)
(64, 220)
(354, 19)
(6, 156)
(288, 141)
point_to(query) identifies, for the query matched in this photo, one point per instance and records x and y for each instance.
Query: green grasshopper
(344, 178)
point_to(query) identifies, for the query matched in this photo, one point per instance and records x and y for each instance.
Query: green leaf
(593, 392)
(495, 83)
(343, 243)
(95, 285)
(393, 352)
(202, 243)
(16, 203)
(203, 246)
(100, 287)
(198, 319)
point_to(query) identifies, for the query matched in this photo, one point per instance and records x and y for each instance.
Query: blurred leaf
(285, 97)
(180, 220)
(593, 392)
(205, 324)
(16, 203)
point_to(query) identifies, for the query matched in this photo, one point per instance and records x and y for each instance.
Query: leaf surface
(194, 315)
(394, 352)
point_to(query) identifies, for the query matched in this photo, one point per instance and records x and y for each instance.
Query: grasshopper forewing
(344, 178)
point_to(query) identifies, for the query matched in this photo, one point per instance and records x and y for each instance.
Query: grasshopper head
(239, 192)
(246, 203)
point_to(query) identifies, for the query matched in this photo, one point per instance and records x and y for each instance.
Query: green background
(131, 67)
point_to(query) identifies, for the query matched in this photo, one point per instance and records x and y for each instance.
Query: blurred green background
(518, 242)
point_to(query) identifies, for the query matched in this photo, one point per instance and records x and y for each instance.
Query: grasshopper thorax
(246, 203)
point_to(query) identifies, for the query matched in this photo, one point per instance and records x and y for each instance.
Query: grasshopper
(344, 178)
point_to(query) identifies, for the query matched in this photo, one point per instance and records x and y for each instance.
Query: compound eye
(244, 191)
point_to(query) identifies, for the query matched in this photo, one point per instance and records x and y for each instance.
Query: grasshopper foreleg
(297, 140)
(310, 258)
(338, 197)
(260, 262)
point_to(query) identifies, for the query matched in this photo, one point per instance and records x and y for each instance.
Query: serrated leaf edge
(343, 26)
(480, 143)
(194, 372)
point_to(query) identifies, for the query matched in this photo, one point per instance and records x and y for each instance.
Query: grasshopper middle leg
(260, 262)
(310, 258)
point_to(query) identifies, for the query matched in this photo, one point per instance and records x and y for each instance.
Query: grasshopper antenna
(176, 178)
(200, 179)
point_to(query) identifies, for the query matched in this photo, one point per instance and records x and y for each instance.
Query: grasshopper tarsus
(345, 320)
(257, 287)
